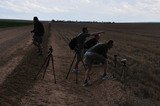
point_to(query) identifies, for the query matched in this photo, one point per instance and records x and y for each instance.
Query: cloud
(101, 10)
(30, 6)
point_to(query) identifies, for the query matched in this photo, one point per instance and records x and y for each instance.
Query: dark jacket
(81, 39)
(100, 48)
(38, 29)
(90, 43)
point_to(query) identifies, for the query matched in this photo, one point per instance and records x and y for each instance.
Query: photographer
(38, 34)
(90, 43)
(97, 53)
(81, 38)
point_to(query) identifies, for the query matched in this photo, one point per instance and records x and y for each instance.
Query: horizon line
(59, 20)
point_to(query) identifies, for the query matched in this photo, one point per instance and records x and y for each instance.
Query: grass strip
(14, 23)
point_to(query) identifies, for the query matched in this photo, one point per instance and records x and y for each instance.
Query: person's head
(84, 30)
(35, 19)
(97, 36)
(110, 44)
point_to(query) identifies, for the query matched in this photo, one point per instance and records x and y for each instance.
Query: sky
(82, 10)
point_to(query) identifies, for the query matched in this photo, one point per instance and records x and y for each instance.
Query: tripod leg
(71, 66)
(76, 77)
(84, 68)
(46, 66)
(84, 65)
(123, 74)
(53, 69)
(115, 63)
(41, 68)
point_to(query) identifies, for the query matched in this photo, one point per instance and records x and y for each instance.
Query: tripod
(115, 60)
(46, 64)
(124, 69)
(76, 53)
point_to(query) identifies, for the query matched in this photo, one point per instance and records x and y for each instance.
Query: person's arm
(96, 33)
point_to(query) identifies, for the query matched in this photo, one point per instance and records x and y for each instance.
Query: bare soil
(102, 93)
(13, 44)
(138, 43)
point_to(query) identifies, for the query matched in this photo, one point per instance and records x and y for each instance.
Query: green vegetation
(4, 23)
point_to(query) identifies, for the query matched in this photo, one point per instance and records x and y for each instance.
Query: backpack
(73, 43)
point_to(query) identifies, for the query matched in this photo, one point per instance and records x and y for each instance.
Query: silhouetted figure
(97, 53)
(90, 43)
(81, 38)
(38, 34)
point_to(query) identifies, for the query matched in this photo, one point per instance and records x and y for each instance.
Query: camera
(50, 50)
(115, 55)
(123, 61)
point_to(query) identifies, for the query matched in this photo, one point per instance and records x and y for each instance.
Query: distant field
(139, 43)
(4, 23)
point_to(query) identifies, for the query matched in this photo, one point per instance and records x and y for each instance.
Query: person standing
(81, 38)
(38, 34)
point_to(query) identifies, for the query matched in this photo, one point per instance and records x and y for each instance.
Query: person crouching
(97, 53)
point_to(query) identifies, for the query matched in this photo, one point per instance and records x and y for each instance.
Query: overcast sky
(82, 10)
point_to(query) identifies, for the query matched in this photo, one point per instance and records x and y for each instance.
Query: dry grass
(138, 43)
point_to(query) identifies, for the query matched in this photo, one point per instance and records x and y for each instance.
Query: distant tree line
(69, 21)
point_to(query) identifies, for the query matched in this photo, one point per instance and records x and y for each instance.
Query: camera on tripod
(50, 50)
(46, 64)
(123, 61)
